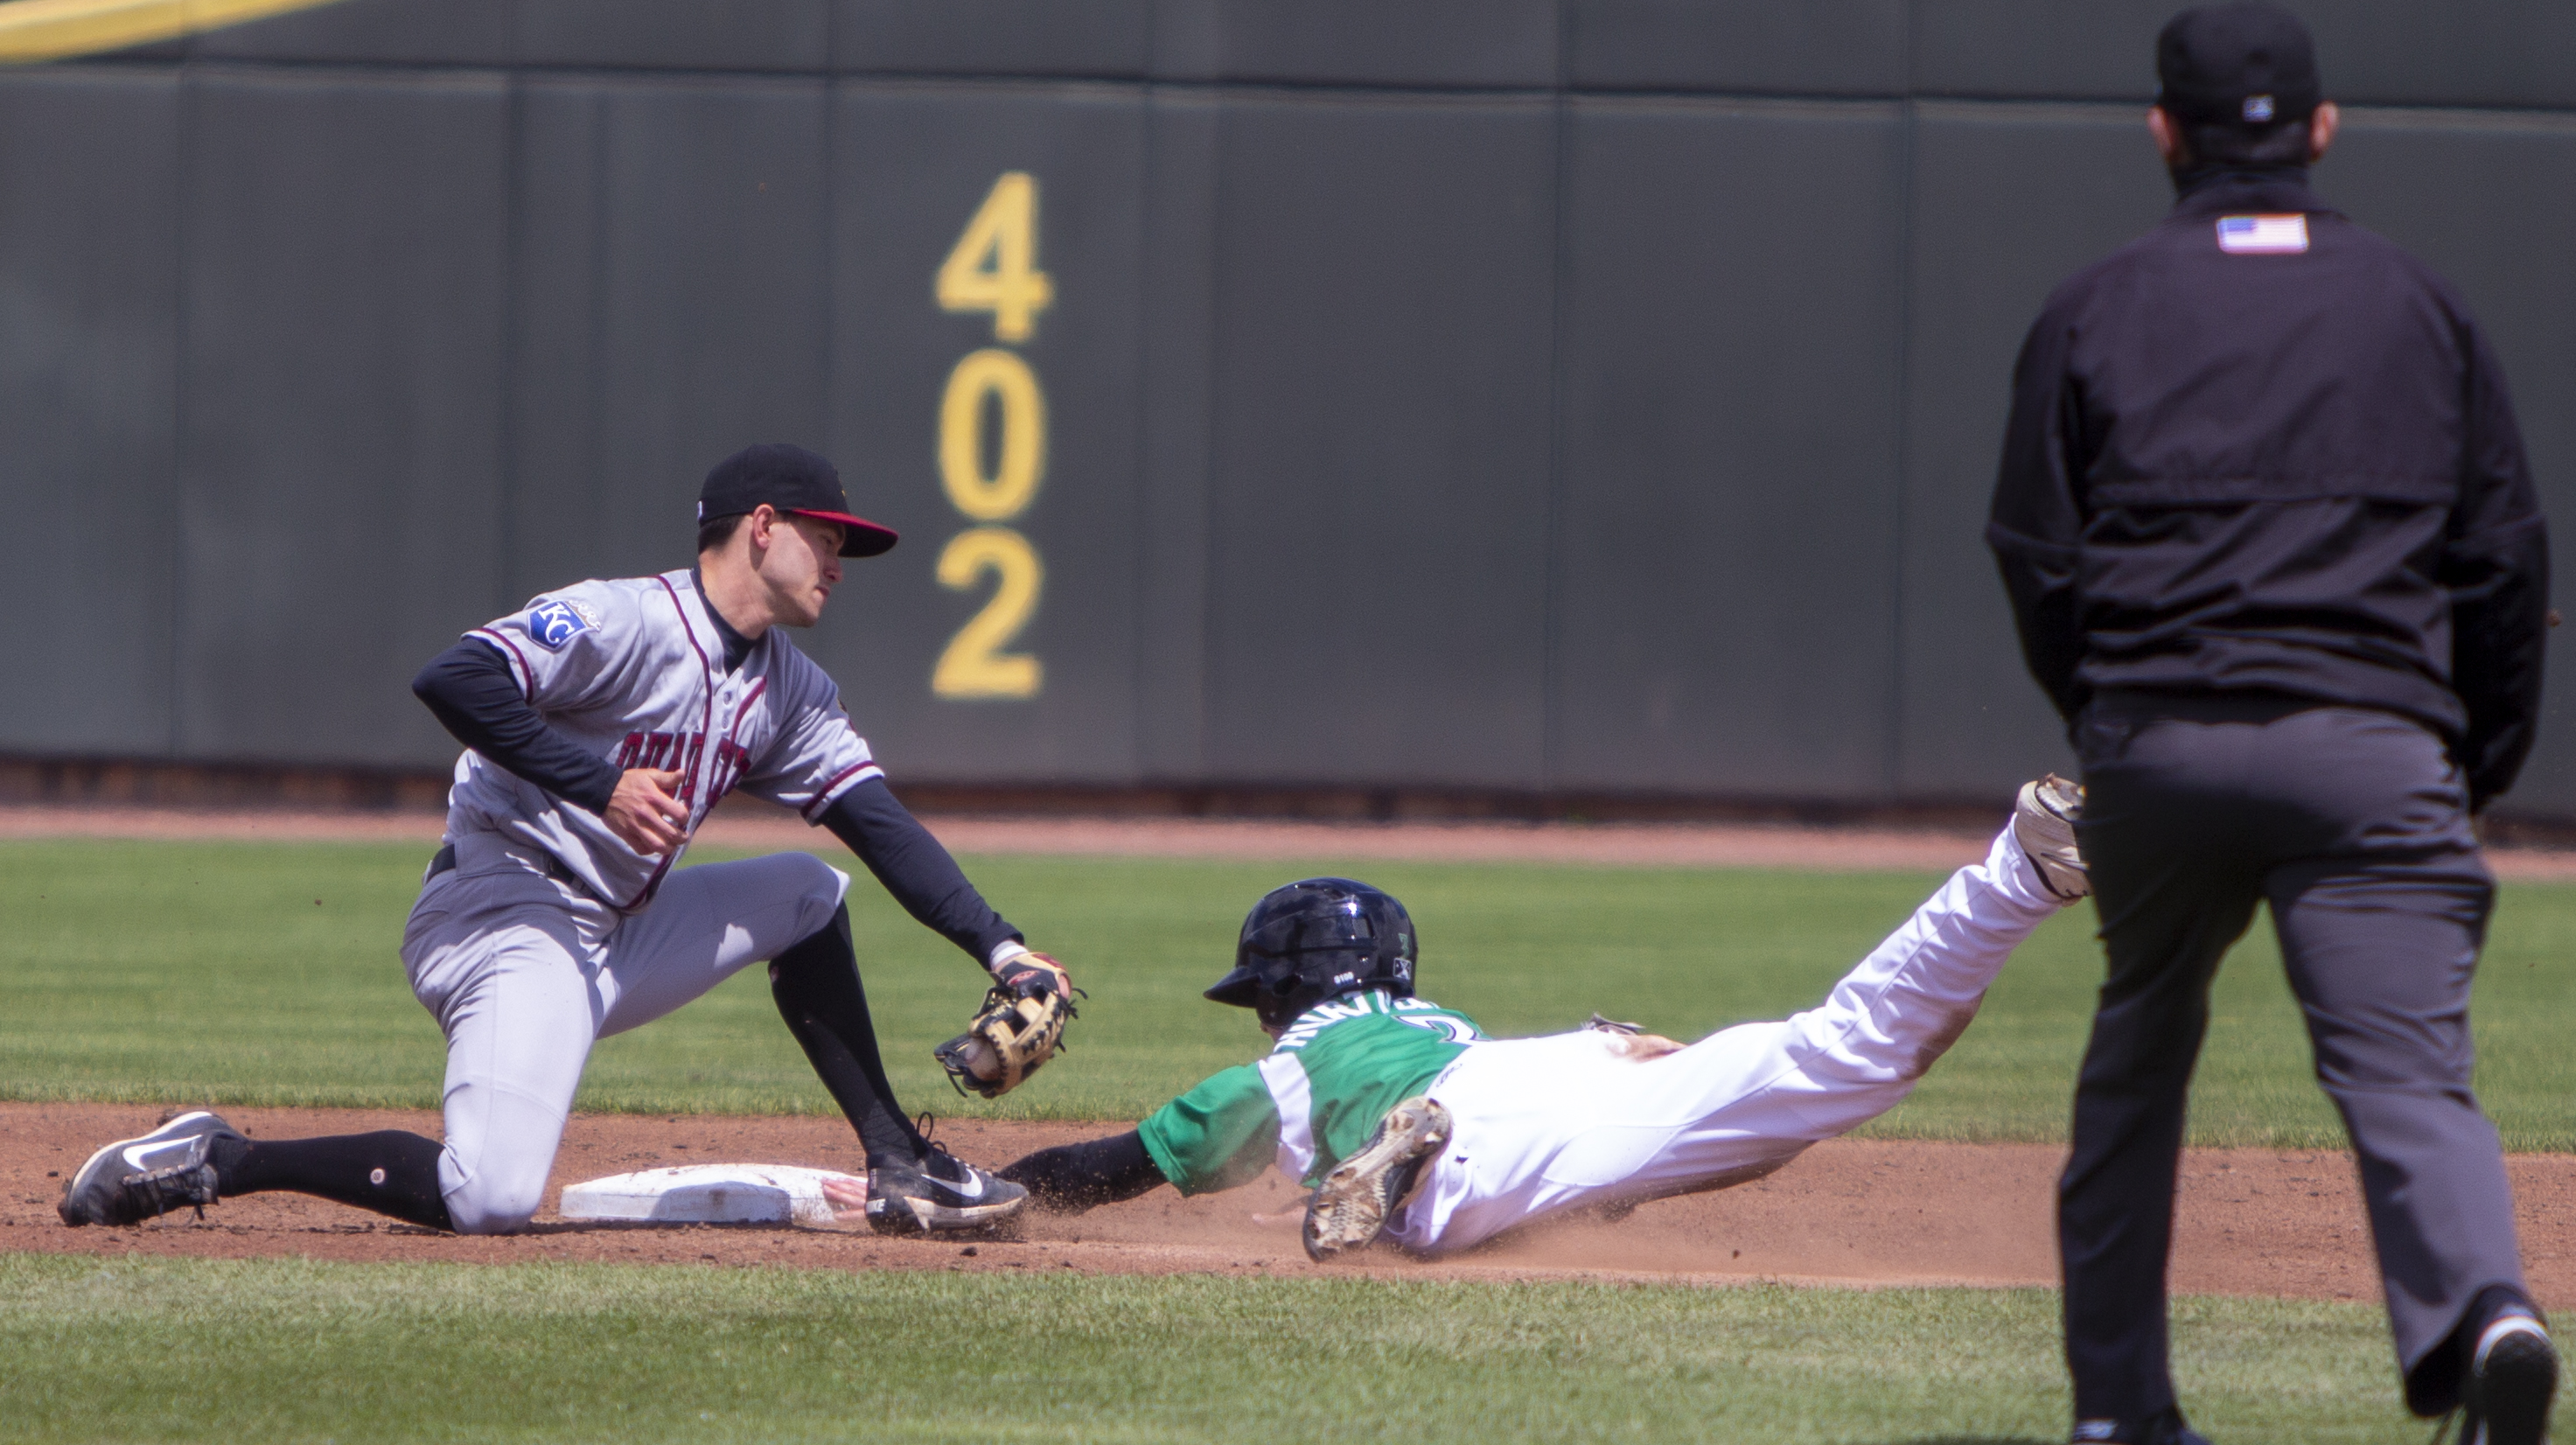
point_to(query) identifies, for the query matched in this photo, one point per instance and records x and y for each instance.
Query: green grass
(284, 1350)
(266, 974)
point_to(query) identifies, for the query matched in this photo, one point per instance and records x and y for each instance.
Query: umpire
(2274, 552)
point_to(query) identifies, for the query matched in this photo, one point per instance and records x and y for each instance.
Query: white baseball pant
(523, 971)
(1548, 1124)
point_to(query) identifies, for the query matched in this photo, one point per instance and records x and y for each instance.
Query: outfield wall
(1588, 396)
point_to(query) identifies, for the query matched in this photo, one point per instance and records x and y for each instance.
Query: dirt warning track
(748, 824)
(1852, 1212)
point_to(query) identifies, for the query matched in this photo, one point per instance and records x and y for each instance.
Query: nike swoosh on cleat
(142, 1155)
(973, 1185)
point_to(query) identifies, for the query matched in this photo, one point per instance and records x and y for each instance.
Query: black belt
(444, 861)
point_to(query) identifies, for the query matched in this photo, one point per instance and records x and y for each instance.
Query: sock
(2493, 1303)
(391, 1172)
(816, 983)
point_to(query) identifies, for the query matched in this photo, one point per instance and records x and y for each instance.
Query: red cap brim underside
(859, 536)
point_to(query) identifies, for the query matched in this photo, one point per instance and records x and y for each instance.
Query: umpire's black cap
(790, 479)
(2244, 63)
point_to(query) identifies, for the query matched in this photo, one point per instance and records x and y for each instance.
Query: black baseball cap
(2245, 63)
(790, 479)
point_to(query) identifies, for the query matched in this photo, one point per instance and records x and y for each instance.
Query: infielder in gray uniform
(602, 723)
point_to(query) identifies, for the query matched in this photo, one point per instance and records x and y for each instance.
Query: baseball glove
(1019, 1026)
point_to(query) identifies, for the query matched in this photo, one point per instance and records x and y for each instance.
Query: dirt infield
(1852, 1212)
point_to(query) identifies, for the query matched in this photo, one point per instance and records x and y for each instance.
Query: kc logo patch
(553, 623)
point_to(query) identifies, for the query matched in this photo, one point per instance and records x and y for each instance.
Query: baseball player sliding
(601, 724)
(1407, 1121)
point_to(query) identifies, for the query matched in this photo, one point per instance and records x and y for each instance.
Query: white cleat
(1351, 1209)
(2044, 825)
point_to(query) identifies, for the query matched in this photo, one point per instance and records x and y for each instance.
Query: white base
(710, 1194)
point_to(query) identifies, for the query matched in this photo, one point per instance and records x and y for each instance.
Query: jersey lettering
(1449, 1026)
(679, 752)
(1323, 1015)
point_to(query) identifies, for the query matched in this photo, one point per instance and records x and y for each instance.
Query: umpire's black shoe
(938, 1192)
(133, 1180)
(2513, 1372)
(2162, 1429)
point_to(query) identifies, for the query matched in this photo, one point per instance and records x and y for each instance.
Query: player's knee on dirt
(488, 1206)
(493, 1195)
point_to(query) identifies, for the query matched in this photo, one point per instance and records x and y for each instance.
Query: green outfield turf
(263, 973)
(112, 1350)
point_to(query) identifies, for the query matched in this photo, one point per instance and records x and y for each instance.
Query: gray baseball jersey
(634, 669)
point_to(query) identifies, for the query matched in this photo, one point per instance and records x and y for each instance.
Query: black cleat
(2512, 1375)
(939, 1192)
(133, 1180)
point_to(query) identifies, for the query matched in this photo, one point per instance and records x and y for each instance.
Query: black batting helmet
(1315, 940)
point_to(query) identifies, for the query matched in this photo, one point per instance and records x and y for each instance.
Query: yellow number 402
(993, 266)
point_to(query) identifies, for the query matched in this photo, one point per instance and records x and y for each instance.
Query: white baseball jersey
(634, 670)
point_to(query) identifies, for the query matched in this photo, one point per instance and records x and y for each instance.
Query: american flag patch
(2263, 235)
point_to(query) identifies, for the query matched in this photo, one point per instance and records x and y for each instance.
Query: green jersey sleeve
(1216, 1136)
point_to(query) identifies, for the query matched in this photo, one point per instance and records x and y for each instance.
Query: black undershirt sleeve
(470, 689)
(1074, 1177)
(915, 868)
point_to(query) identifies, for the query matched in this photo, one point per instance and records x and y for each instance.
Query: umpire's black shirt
(2275, 471)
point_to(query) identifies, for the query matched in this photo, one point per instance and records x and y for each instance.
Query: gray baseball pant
(523, 971)
(2353, 825)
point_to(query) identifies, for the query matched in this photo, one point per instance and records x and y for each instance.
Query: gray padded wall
(1574, 395)
(344, 279)
(1710, 634)
(669, 283)
(2008, 201)
(2490, 200)
(1083, 38)
(2460, 52)
(1178, 263)
(1753, 47)
(89, 363)
(1379, 477)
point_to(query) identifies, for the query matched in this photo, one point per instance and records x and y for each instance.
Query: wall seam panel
(1894, 758)
(184, 180)
(1551, 727)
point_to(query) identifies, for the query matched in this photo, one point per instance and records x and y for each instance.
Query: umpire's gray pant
(524, 971)
(2354, 826)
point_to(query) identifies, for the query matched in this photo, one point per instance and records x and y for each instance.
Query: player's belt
(444, 861)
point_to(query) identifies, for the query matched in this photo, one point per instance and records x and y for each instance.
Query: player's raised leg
(1832, 1068)
(1558, 1123)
